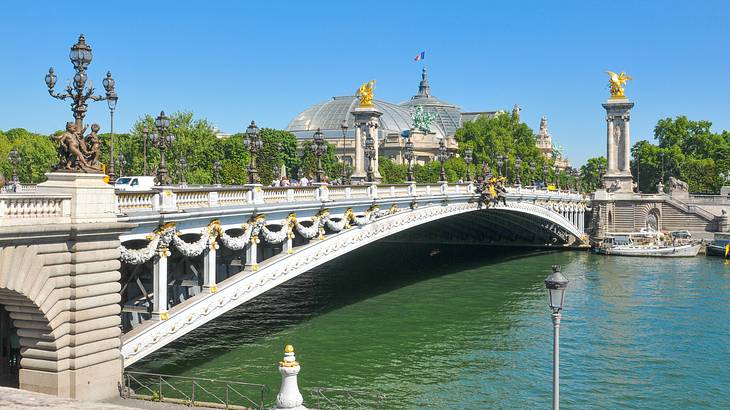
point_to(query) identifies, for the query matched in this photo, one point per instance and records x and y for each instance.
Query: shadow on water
(363, 274)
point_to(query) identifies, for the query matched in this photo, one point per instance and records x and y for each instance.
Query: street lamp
(369, 153)
(556, 284)
(544, 175)
(343, 127)
(442, 156)
(122, 164)
(533, 167)
(408, 155)
(14, 159)
(254, 144)
(217, 172)
(162, 140)
(518, 165)
(319, 148)
(468, 157)
(182, 166)
(557, 177)
(111, 99)
(145, 137)
(500, 161)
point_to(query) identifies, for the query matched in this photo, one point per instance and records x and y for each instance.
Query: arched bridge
(87, 274)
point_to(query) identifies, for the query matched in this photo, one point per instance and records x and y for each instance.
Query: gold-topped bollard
(289, 396)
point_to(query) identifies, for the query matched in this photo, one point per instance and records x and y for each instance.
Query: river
(469, 328)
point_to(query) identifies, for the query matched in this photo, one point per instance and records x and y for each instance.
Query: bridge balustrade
(20, 209)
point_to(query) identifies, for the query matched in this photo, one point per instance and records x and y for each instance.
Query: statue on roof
(616, 83)
(365, 93)
(516, 112)
(422, 119)
(543, 125)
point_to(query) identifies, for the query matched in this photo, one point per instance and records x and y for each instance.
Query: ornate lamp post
(111, 99)
(14, 159)
(557, 178)
(369, 154)
(533, 167)
(217, 172)
(408, 155)
(79, 94)
(518, 165)
(544, 175)
(500, 161)
(254, 144)
(122, 164)
(343, 127)
(145, 137)
(182, 165)
(468, 157)
(319, 148)
(442, 156)
(556, 284)
(162, 140)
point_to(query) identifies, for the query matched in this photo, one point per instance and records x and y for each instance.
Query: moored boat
(624, 245)
(717, 247)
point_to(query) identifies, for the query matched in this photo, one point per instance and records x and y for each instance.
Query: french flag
(420, 56)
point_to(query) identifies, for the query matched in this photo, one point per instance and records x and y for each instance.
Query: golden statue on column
(365, 93)
(616, 83)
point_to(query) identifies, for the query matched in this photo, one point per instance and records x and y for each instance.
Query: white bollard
(289, 396)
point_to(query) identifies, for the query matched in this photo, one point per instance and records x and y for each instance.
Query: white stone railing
(18, 189)
(173, 199)
(33, 209)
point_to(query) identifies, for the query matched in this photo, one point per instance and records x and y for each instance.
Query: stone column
(367, 120)
(289, 397)
(618, 148)
(210, 269)
(159, 308)
(252, 263)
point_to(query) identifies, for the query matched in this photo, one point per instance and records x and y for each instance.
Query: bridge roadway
(88, 275)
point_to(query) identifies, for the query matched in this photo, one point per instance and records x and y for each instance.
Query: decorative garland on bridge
(210, 235)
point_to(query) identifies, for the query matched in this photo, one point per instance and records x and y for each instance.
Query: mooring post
(289, 396)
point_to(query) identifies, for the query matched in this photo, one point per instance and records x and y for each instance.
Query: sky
(231, 62)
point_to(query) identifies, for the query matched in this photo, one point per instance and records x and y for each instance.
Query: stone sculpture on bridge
(616, 83)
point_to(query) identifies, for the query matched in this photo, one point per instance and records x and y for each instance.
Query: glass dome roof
(328, 116)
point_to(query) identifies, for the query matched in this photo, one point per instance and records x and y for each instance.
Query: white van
(140, 183)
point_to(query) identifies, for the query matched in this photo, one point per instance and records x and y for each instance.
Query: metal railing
(336, 398)
(192, 391)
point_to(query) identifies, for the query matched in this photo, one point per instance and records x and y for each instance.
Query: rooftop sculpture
(616, 83)
(365, 93)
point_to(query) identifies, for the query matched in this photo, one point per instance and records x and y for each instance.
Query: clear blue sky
(231, 62)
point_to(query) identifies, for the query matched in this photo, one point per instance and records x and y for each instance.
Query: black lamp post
(162, 140)
(369, 154)
(557, 178)
(254, 144)
(122, 164)
(319, 147)
(343, 127)
(556, 284)
(217, 172)
(14, 159)
(182, 166)
(408, 155)
(79, 93)
(518, 165)
(111, 99)
(468, 158)
(533, 167)
(442, 156)
(499, 164)
(544, 175)
(145, 137)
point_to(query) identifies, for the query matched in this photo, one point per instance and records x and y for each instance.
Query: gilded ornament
(365, 93)
(616, 83)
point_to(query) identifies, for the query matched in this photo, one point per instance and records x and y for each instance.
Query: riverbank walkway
(15, 399)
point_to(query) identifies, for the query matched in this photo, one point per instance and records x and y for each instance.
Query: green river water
(469, 328)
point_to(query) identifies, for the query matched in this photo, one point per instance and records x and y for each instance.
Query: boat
(717, 247)
(648, 245)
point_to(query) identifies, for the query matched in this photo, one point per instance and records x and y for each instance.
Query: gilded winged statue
(616, 83)
(365, 93)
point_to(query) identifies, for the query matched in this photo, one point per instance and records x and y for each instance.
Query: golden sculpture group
(616, 83)
(365, 93)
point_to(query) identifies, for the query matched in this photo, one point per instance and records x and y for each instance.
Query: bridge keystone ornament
(289, 396)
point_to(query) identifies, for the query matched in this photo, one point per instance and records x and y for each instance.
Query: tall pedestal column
(159, 308)
(209, 270)
(367, 120)
(618, 145)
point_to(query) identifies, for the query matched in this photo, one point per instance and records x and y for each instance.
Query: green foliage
(279, 148)
(391, 172)
(504, 135)
(37, 154)
(592, 172)
(685, 149)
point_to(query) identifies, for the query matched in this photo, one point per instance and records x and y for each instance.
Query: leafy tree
(279, 148)
(308, 161)
(391, 172)
(592, 172)
(37, 154)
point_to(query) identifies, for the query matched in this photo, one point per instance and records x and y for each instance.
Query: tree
(279, 148)
(308, 161)
(592, 172)
(37, 154)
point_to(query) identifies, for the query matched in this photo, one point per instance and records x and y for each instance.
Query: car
(134, 183)
(681, 234)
